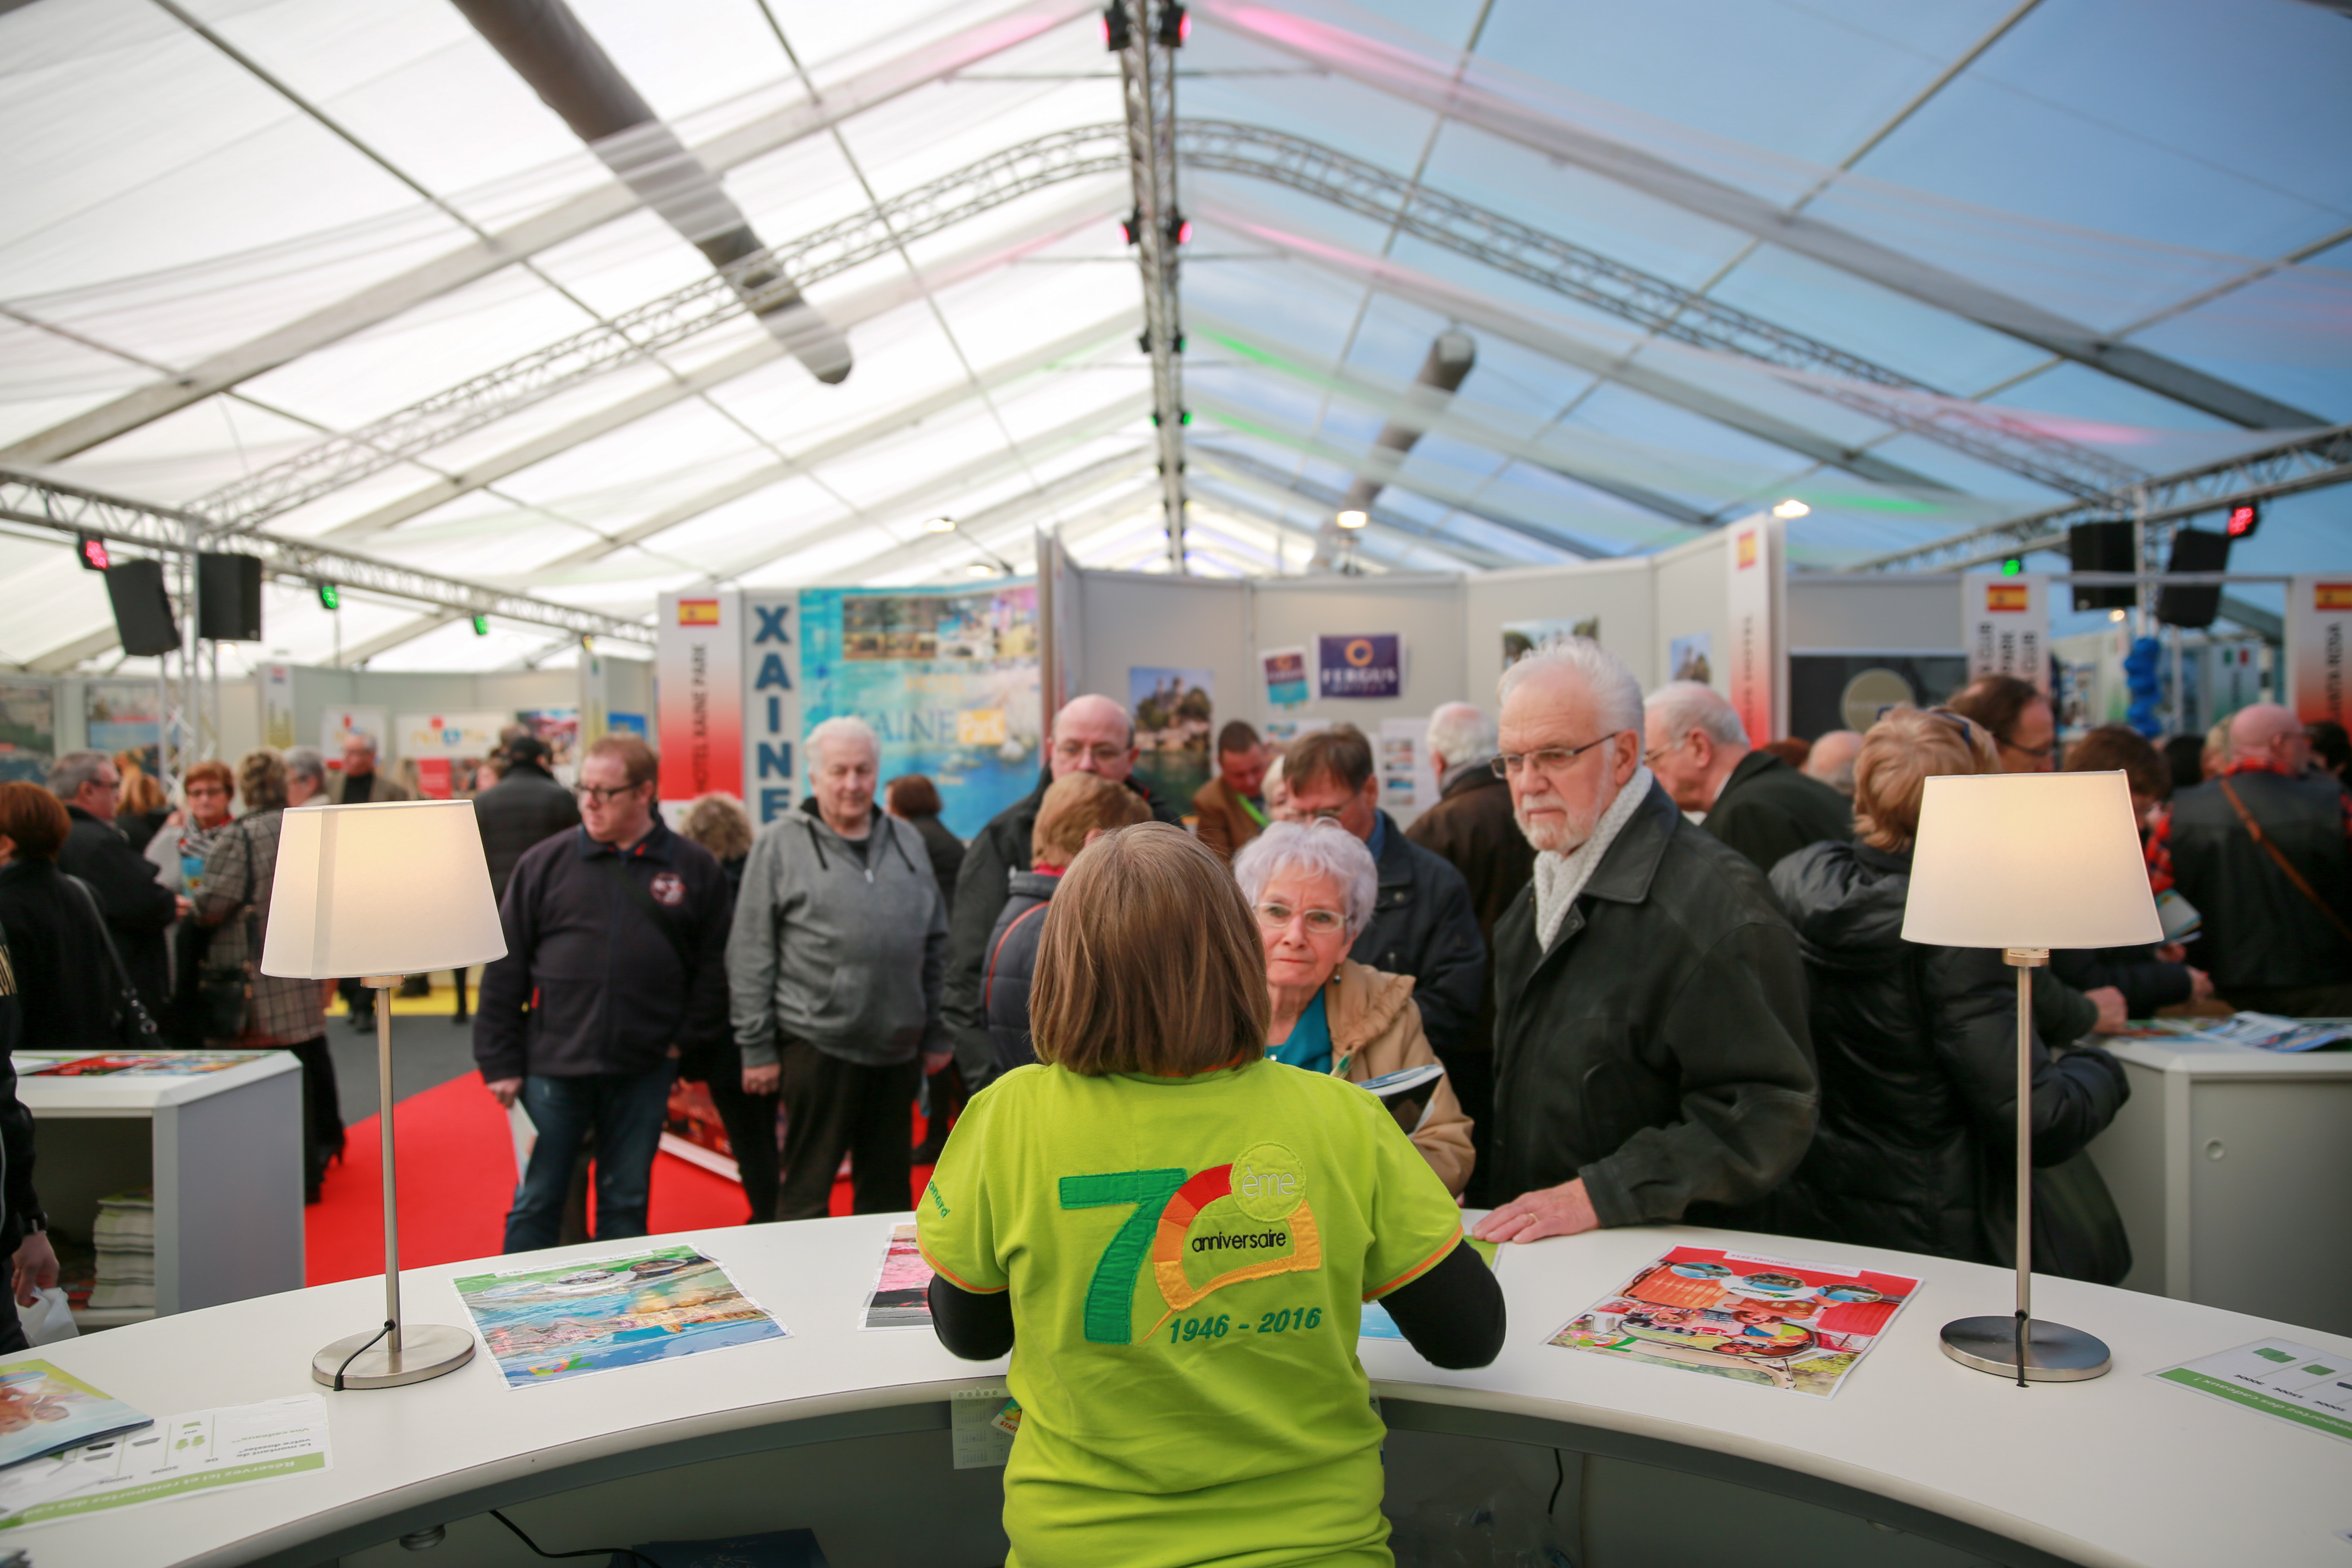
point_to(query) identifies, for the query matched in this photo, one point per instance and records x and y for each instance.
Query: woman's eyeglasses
(1320, 922)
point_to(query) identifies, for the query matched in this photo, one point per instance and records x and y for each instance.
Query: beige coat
(1375, 1030)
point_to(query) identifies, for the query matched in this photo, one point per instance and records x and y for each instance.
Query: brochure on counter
(592, 1315)
(2261, 1031)
(43, 1410)
(148, 1064)
(901, 1297)
(1793, 1326)
(202, 1450)
(2279, 1378)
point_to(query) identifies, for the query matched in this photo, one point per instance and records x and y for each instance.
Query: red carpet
(456, 1178)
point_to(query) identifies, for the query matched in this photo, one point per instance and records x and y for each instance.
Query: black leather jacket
(1917, 1052)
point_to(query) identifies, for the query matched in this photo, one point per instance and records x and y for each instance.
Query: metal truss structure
(2310, 462)
(69, 509)
(1637, 297)
(1147, 72)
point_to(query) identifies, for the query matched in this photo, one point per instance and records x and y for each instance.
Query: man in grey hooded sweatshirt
(834, 966)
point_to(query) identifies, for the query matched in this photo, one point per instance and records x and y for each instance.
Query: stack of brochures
(2262, 1031)
(125, 1241)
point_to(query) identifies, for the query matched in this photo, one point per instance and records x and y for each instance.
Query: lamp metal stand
(398, 1353)
(2024, 1347)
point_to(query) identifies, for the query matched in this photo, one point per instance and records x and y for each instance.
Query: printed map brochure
(2281, 1379)
(43, 1410)
(202, 1450)
(595, 1314)
(1798, 1326)
(901, 1297)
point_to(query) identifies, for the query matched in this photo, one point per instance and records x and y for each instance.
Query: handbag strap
(2301, 886)
(113, 956)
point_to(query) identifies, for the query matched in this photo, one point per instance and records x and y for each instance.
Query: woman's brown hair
(261, 780)
(31, 817)
(141, 794)
(913, 795)
(210, 769)
(1149, 961)
(1898, 756)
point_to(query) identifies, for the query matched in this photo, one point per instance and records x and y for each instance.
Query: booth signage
(448, 735)
(771, 702)
(1756, 668)
(2007, 622)
(2318, 623)
(1371, 665)
(277, 706)
(699, 697)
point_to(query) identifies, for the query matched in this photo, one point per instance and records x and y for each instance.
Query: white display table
(223, 1150)
(2232, 1169)
(1916, 1461)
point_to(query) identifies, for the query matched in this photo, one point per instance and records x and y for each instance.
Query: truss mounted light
(482, 626)
(1792, 507)
(92, 550)
(329, 596)
(1175, 25)
(1352, 518)
(2244, 519)
(1118, 31)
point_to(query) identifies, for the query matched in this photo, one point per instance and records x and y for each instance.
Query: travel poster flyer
(200, 1450)
(592, 1315)
(43, 1410)
(901, 1297)
(1798, 1326)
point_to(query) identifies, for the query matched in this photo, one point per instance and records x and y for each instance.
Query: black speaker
(2194, 607)
(2102, 547)
(228, 597)
(142, 608)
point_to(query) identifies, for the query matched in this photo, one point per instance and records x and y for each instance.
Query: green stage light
(330, 598)
(481, 625)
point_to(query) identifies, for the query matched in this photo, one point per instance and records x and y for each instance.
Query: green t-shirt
(1188, 1259)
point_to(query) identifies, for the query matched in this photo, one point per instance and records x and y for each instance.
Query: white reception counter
(1916, 1461)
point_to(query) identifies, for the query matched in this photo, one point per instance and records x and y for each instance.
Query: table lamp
(377, 892)
(2026, 862)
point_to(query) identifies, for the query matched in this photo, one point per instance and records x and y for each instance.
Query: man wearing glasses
(1091, 734)
(1652, 1058)
(1750, 799)
(617, 964)
(137, 906)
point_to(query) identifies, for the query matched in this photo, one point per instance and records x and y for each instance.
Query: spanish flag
(2331, 596)
(698, 612)
(2006, 596)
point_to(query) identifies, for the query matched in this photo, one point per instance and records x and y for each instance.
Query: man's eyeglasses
(1322, 922)
(1654, 752)
(602, 794)
(1553, 759)
(1071, 751)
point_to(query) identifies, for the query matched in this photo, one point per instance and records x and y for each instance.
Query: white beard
(1558, 836)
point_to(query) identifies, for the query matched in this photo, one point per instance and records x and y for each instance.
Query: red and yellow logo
(2331, 596)
(698, 612)
(1746, 551)
(2006, 596)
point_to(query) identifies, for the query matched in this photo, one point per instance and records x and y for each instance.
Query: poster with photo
(1357, 665)
(1523, 637)
(557, 729)
(1407, 786)
(1175, 718)
(29, 730)
(1284, 672)
(550, 1324)
(125, 716)
(1690, 657)
(901, 1297)
(1800, 1327)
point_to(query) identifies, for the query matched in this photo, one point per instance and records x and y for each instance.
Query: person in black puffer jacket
(1917, 1044)
(1077, 809)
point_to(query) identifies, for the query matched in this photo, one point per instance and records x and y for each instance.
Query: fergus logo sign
(1370, 665)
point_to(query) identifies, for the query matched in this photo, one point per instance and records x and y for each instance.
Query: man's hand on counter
(1563, 1210)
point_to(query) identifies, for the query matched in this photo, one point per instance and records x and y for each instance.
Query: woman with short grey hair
(1312, 888)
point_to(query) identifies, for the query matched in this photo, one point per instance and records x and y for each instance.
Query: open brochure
(1798, 1326)
(1407, 1093)
(2262, 1031)
(901, 1297)
(43, 1410)
(200, 1450)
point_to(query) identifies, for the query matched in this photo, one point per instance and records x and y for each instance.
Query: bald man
(2263, 850)
(1090, 734)
(1832, 760)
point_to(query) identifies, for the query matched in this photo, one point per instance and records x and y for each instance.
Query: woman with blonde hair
(1173, 1236)
(1917, 1044)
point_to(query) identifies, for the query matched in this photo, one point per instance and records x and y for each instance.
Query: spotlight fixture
(93, 552)
(481, 625)
(1117, 30)
(940, 525)
(2243, 520)
(1792, 507)
(2012, 565)
(329, 596)
(1175, 25)
(2115, 614)
(981, 569)
(1180, 229)
(1130, 228)
(1353, 519)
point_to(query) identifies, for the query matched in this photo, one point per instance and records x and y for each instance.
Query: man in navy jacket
(617, 960)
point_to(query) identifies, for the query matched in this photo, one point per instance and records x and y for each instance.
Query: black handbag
(225, 991)
(128, 1020)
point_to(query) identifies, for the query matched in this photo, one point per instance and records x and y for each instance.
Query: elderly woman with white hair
(1312, 891)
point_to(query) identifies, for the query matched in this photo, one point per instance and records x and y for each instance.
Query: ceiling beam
(1013, 513)
(568, 220)
(1248, 474)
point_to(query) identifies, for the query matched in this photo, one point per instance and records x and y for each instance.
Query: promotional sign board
(277, 705)
(772, 724)
(2318, 621)
(446, 735)
(699, 676)
(2007, 623)
(1371, 665)
(336, 724)
(1755, 665)
(1284, 672)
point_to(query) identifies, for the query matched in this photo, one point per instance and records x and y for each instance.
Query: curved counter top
(2122, 1470)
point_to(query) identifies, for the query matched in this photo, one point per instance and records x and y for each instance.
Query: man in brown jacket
(1227, 809)
(1471, 825)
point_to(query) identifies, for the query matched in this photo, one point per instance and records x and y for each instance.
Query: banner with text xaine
(699, 696)
(2318, 623)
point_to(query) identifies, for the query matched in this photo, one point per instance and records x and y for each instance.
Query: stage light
(2011, 565)
(1130, 228)
(329, 596)
(2244, 519)
(940, 525)
(1352, 518)
(1180, 229)
(1175, 26)
(482, 625)
(1118, 31)
(93, 552)
(1792, 507)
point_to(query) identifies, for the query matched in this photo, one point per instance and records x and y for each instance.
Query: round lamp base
(2053, 1353)
(426, 1351)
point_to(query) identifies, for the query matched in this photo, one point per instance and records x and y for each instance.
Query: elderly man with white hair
(1652, 1058)
(1090, 734)
(1748, 798)
(2263, 850)
(834, 966)
(1313, 891)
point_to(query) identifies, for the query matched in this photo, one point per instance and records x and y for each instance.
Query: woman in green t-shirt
(1174, 1238)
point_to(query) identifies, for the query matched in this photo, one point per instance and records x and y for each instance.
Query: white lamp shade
(2028, 860)
(399, 887)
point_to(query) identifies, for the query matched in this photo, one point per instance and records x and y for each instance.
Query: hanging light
(940, 525)
(981, 569)
(1352, 519)
(1117, 30)
(1174, 26)
(482, 626)
(93, 552)
(329, 596)
(1792, 507)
